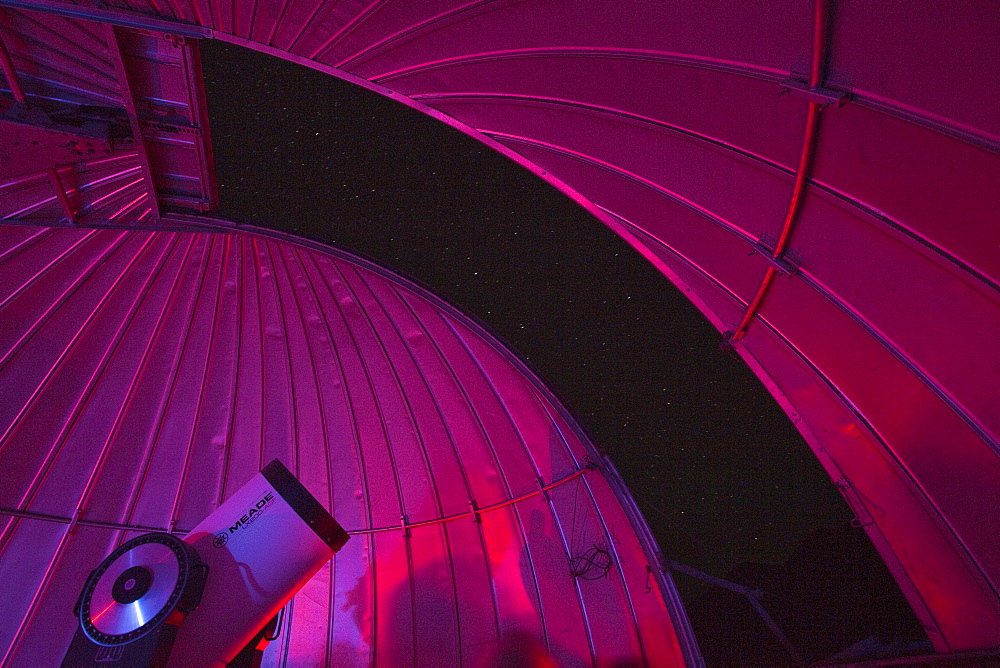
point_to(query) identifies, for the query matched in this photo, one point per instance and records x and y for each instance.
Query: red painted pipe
(804, 168)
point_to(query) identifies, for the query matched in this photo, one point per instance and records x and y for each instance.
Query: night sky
(718, 470)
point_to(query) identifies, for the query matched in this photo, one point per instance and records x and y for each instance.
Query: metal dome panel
(147, 375)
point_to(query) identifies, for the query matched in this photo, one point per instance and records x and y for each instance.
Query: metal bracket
(784, 267)
(272, 630)
(474, 509)
(817, 94)
(73, 522)
(541, 488)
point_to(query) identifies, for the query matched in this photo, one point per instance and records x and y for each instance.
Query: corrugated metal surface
(147, 375)
(686, 127)
(107, 191)
(61, 59)
(83, 92)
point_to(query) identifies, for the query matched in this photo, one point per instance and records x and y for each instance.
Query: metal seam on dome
(910, 236)
(425, 458)
(60, 359)
(15, 293)
(46, 25)
(534, 466)
(758, 161)
(602, 522)
(341, 378)
(20, 182)
(32, 609)
(416, 427)
(70, 424)
(925, 119)
(345, 29)
(275, 257)
(914, 367)
(169, 248)
(238, 355)
(440, 358)
(86, 209)
(99, 369)
(354, 288)
(821, 188)
(543, 490)
(186, 464)
(387, 359)
(755, 159)
(315, 278)
(277, 252)
(903, 471)
(677, 255)
(631, 176)
(16, 249)
(170, 384)
(493, 450)
(375, 48)
(104, 92)
(353, 333)
(111, 198)
(666, 57)
(276, 24)
(128, 206)
(317, 7)
(283, 253)
(342, 382)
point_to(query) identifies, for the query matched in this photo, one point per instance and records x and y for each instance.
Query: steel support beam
(114, 46)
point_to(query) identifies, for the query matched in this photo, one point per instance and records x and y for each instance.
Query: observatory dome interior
(820, 178)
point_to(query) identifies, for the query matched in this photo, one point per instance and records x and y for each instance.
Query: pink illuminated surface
(682, 126)
(150, 374)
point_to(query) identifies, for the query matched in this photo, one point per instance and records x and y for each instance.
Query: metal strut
(752, 595)
(60, 190)
(7, 65)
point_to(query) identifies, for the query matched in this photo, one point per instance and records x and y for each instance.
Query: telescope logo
(220, 539)
(250, 516)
